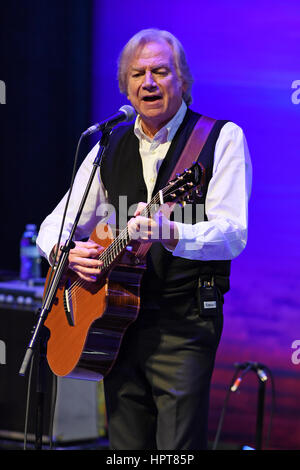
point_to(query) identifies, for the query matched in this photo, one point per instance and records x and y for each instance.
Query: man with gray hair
(157, 393)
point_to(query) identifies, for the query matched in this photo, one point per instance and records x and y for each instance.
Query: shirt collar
(167, 132)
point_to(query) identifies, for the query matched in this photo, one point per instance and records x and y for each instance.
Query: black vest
(168, 280)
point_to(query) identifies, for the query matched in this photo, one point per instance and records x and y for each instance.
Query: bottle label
(30, 251)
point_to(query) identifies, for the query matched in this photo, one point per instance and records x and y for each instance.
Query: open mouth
(152, 98)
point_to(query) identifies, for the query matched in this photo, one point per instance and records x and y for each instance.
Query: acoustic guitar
(88, 320)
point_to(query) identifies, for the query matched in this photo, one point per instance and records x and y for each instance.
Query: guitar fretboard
(182, 185)
(111, 253)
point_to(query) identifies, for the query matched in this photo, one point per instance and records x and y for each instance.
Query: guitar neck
(111, 253)
(175, 189)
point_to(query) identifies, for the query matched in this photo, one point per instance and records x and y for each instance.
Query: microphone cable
(64, 214)
(27, 404)
(273, 406)
(224, 409)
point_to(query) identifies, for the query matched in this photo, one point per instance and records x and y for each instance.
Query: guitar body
(88, 320)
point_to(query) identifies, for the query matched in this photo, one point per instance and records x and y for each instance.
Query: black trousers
(157, 394)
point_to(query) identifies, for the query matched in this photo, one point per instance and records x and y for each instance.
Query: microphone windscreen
(129, 111)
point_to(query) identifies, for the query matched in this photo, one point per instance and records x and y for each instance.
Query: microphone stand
(245, 367)
(40, 331)
(262, 378)
(260, 411)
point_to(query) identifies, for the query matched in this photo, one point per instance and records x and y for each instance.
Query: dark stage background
(58, 62)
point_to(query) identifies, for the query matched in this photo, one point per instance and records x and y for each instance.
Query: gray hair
(148, 35)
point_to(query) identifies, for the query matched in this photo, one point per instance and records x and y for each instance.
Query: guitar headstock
(185, 184)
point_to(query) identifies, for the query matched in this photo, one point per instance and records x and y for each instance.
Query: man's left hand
(156, 229)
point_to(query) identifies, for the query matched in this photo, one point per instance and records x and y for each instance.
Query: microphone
(125, 114)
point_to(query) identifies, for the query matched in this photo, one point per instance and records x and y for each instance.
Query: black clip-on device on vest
(208, 298)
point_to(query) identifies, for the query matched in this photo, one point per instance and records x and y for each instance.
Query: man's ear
(184, 87)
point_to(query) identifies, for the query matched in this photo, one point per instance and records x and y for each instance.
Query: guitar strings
(116, 247)
(110, 253)
(113, 250)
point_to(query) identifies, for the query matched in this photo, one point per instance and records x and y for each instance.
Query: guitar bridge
(68, 304)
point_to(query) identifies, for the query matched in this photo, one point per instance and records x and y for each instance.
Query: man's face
(154, 88)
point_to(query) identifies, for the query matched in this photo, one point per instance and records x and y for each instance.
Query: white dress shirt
(222, 237)
(153, 151)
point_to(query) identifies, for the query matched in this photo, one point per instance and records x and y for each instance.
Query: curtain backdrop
(45, 62)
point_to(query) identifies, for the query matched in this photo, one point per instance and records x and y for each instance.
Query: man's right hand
(83, 259)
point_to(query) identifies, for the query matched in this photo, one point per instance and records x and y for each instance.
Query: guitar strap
(190, 154)
(194, 145)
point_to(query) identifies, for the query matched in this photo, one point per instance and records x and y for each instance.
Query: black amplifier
(77, 401)
(24, 295)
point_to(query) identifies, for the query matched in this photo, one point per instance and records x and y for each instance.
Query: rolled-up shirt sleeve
(91, 214)
(223, 235)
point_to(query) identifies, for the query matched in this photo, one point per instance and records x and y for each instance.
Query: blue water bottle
(30, 267)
